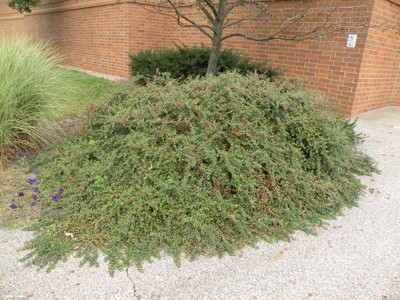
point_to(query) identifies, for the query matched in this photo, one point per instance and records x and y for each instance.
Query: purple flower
(55, 197)
(31, 181)
(27, 156)
(60, 190)
(34, 197)
(13, 206)
(36, 190)
(37, 172)
(21, 194)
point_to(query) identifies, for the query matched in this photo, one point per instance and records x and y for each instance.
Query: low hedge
(184, 62)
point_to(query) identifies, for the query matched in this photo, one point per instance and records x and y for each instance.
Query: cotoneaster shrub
(32, 94)
(203, 167)
(184, 62)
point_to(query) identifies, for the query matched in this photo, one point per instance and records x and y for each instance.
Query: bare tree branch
(206, 12)
(229, 23)
(290, 22)
(212, 6)
(235, 4)
(193, 23)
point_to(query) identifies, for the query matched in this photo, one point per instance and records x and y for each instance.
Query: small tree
(280, 20)
(220, 20)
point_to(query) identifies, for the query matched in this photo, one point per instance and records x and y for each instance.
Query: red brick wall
(378, 84)
(11, 22)
(148, 30)
(93, 37)
(99, 34)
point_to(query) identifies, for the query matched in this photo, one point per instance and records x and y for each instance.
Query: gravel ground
(356, 256)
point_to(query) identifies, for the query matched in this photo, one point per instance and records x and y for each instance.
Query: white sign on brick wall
(351, 40)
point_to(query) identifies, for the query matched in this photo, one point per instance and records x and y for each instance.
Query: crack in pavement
(135, 296)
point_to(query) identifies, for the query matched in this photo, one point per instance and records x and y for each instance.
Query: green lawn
(86, 89)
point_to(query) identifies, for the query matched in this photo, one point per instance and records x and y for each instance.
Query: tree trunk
(216, 40)
(214, 55)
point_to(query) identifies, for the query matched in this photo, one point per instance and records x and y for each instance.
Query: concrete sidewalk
(356, 256)
(389, 116)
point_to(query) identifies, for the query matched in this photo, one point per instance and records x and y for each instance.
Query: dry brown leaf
(280, 253)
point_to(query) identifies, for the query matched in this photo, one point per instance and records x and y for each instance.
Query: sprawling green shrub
(183, 62)
(201, 167)
(31, 95)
